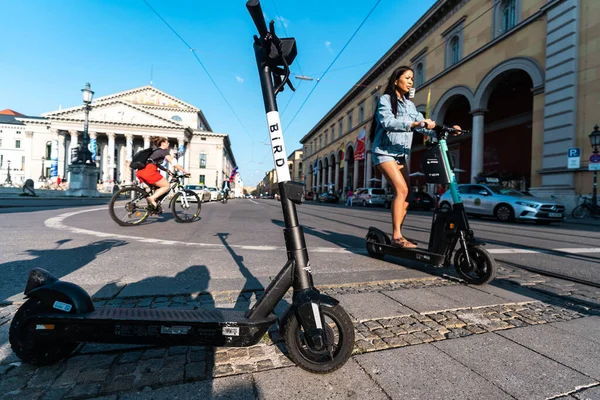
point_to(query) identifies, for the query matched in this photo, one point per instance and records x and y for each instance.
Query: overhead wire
(193, 51)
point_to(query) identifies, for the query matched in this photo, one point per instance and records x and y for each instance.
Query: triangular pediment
(148, 96)
(113, 112)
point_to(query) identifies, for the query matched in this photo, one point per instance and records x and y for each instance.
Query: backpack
(140, 159)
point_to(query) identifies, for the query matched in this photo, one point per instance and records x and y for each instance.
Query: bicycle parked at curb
(586, 209)
(130, 206)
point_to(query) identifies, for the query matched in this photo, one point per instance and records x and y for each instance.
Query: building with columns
(521, 75)
(119, 125)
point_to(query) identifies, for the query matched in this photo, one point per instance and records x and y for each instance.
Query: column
(62, 155)
(93, 144)
(54, 156)
(337, 176)
(128, 156)
(329, 177)
(111, 157)
(355, 180)
(318, 180)
(181, 152)
(104, 162)
(29, 155)
(345, 182)
(369, 167)
(477, 144)
(146, 142)
(186, 157)
(74, 143)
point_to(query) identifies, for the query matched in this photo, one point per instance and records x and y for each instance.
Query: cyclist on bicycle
(226, 188)
(150, 174)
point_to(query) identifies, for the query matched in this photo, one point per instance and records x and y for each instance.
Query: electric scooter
(448, 227)
(318, 333)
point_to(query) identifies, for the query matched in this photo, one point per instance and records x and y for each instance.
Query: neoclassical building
(521, 75)
(119, 125)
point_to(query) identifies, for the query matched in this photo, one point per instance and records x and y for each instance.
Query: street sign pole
(594, 165)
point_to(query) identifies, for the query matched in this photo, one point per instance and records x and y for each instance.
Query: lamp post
(595, 141)
(42, 177)
(84, 156)
(8, 180)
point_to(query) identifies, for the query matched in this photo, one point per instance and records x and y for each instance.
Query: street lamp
(42, 177)
(84, 156)
(595, 141)
(8, 180)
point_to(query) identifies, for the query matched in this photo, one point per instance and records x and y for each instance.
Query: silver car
(201, 191)
(369, 197)
(506, 204)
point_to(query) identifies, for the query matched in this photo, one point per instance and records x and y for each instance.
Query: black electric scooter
(318, 332)
(449, 226)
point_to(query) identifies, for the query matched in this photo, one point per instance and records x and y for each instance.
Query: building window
(202, 138)
(22, 163)
(326, 135)
(332, 129)
(49, 150)
(0, 141)
(507, 14)
(176, 118)
(375, 101)
(361, 112)
(320, 142)
(453, 37)
(1, 160)
(340, 127)
(17, 144)
(202, 160)
(420, 75)
(349, 122)
(18, 132)
(202, 179)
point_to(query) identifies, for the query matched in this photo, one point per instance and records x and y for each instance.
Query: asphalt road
(240, 245)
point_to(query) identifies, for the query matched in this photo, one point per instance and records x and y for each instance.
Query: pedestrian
(58, 180)
(349, 199)
(394, 122)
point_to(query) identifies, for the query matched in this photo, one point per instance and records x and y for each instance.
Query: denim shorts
(381, 158)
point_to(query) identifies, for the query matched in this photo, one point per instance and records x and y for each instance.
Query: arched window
(48, 150)
(454, 50)
(420, 76)
(507, 14)
(176, 118)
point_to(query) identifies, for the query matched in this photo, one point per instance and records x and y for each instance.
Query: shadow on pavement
(58, 261)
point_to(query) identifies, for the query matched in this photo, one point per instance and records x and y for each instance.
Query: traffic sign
(594, 164)
(595, 158)
(574, 158)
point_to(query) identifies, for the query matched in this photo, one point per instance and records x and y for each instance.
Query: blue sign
(574, 152)
(93, 148)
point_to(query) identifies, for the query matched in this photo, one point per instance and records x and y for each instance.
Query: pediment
(114, 112)
(148, 96)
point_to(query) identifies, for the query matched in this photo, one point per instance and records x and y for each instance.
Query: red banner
(359, 153)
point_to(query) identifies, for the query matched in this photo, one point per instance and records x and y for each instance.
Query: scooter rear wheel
(27, 347)
(339, 336)
(372, 239)
(482, 270)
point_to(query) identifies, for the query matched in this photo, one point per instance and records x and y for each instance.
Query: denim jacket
(393, 135)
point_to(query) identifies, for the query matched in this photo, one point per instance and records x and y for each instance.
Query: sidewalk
(522, 337)
(11, 197)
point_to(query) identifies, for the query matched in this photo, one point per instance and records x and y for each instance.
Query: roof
(8, 111)
(9, 119)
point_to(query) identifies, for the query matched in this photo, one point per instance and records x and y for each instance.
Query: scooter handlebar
(448, 129)
(256, 13)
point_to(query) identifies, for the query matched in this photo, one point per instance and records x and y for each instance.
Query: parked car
(309, 196)
(369, 197)
(328, 198)
(506, 204)
(416, 201)
(201, 191)
(215, 194)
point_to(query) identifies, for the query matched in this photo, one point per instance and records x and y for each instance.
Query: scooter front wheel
(339, 337)
(480, 271)
(27, 347)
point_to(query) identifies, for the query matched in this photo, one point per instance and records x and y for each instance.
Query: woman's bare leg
(163, 187)
(393, 173)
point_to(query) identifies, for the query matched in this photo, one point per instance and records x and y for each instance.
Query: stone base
(564, 195)
(83, 181)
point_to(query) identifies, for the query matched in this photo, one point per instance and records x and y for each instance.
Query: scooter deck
(141, 325)
(418, 255)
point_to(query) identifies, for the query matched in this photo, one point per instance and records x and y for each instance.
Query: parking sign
(574, 158)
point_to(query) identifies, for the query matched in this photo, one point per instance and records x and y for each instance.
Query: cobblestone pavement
(111, 370)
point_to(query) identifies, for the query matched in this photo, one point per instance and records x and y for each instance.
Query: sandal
(404, 243)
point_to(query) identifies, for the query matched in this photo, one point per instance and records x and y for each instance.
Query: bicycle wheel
(185, 206)
(129, 206)
(581, 211)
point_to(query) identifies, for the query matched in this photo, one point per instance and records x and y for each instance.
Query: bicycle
(224, 196)
(586, 209)
(138, 208)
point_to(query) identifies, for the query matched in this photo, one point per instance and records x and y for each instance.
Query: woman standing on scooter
(394, 122)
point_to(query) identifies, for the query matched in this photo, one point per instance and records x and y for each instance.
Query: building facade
(521, 75)
(119, 125)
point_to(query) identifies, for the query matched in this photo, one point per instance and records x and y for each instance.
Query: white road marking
(57, 223)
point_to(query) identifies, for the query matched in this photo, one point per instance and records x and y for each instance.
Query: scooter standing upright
(449, 226)
(318, 332)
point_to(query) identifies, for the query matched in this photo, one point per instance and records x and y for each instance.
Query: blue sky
(52, 48)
